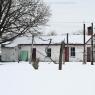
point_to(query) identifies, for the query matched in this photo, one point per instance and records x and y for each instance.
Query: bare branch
(18, 17)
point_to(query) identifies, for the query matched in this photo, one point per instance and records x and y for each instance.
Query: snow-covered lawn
(22, 79)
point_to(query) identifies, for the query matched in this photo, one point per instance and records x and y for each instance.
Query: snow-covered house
(43, 49)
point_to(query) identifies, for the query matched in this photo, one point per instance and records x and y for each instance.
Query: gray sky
(68, 15)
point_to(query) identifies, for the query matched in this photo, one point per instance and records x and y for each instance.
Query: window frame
(73, 52)
(48, 52)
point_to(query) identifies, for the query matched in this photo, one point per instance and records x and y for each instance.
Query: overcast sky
(68, 15)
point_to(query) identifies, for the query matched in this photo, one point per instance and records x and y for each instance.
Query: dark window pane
(72, 51)
(49, 52)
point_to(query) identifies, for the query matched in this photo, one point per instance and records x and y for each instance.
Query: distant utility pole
(67, 47)
(31, 50)
(61, 55)
(92, 44)
(84, 57)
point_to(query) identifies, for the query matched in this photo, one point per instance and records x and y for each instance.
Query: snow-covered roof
(72, 39)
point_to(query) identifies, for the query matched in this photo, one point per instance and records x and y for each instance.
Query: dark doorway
(67, 54)
(88, 54)
(34, 54)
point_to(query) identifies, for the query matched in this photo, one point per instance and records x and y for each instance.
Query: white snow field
(22, 79)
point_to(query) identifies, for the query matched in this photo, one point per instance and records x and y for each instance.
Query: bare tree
(18, 17)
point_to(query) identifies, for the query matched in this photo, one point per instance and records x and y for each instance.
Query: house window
(49, 52)
(72, 51)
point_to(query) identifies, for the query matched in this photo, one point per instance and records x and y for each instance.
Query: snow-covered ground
(22, 79)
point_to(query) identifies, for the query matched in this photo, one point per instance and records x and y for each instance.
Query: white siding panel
(78, 54)
(41, 54)
(9, 54)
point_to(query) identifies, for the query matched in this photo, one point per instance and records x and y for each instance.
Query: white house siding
(40, 51)
(9, 54)
(55, 49)
(12, 54)
(78, 53)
